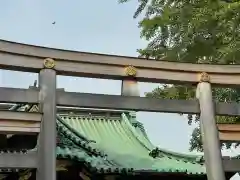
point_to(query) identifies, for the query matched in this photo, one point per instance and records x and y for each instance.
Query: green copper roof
(115, 144)
(119, 144)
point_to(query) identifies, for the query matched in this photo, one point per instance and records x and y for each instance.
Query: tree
(194, 31)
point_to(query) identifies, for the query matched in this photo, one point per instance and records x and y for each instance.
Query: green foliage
(194, 31)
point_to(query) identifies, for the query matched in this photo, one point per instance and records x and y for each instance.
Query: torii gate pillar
(209, 131)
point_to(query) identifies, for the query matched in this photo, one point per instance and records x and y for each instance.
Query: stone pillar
(47, 137)
(209, 131)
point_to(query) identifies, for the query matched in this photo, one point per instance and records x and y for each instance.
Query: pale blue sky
(94, 26)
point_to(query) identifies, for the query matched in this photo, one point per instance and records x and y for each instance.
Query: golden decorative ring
(130, 71)
(49, 63)
(204, 77)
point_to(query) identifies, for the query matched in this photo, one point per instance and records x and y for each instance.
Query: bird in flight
(54, 22)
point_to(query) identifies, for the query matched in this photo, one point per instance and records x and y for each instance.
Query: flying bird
(54, 22)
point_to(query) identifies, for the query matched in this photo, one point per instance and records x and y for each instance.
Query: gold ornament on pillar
(204, 77)
(49, 63)
(130, 71)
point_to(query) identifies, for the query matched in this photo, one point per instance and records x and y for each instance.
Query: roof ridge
(196, 158)
(139, 125)
(71, 133)
(182, 155)
(85, 145)
(59, 119)
(135, 133)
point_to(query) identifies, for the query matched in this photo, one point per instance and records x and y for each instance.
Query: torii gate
(50, 62)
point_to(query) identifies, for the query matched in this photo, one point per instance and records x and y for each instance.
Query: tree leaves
(194, 31)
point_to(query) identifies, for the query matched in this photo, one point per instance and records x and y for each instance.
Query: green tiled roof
(117, 144)
(114, 144)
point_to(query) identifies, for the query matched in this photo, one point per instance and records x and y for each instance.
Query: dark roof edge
(63, 109)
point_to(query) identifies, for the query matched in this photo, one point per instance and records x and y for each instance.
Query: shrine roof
(115, 143)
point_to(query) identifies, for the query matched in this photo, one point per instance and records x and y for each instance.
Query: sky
(93, 26)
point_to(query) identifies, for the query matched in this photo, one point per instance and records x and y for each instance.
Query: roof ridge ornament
(49, 63)
(154, 153)
(35, 83)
